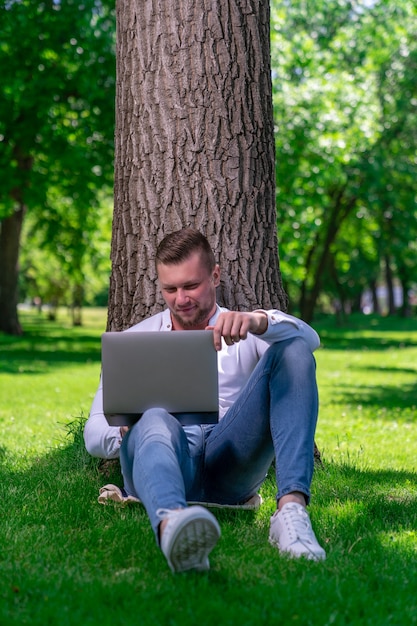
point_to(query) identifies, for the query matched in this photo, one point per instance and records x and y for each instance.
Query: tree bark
(194, 147)
(10, 230)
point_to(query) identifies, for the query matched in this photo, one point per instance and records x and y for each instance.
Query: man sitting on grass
(267, 405)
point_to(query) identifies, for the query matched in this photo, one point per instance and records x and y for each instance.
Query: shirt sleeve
(101, 440)
(282, 326)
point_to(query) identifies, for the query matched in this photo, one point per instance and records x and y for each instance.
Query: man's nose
(182, 296)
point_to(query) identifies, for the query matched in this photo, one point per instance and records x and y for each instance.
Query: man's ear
(216, 275)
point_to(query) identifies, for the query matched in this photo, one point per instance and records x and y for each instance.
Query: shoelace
(297, 521)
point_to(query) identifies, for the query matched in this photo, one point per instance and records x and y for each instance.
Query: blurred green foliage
(345, 103)
(345, 98)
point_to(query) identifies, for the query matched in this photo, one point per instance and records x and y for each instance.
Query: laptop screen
(174, 370)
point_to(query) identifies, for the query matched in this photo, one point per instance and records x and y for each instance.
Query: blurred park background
(345, 101)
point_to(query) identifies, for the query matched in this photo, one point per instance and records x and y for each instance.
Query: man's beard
(201, 316)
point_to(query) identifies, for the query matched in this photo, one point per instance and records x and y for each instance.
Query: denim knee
(295, 355)
(155, 420)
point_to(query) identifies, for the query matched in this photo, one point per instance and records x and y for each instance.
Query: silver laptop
(174, 370)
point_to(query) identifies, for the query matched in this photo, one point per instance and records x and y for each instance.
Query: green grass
(66, 560)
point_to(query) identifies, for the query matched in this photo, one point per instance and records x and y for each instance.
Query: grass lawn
(66, 560)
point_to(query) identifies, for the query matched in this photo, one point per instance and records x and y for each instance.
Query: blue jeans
(165, 464)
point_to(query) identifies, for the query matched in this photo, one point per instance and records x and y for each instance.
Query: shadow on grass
(378, 396)
(386, 370)
(36, 352)
(368, 510)
(363, 333)
(345, 481)
(348, 340)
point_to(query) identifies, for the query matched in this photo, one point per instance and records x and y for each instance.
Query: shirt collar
(215, 315)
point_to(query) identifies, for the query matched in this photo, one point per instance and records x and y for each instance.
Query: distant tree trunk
(405, 278)
(375, 301)
(194, 146)
(390, 285)
(319, 254)
(10, 231)
(77, 304)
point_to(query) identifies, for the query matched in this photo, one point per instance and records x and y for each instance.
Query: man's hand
(123, 430)
(235, 325)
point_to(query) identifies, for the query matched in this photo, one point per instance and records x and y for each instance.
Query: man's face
(189, 290)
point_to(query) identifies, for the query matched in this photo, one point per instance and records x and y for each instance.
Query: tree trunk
(375, 300)
(194, 147)
(77, 304)
(390, 285)
(405, 274)
(10, 230)
(319, 254)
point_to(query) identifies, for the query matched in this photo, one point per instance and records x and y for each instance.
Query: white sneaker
(291, 533)
(188, 537)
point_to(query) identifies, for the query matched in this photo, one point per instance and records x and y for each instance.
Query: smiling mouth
(188, 309)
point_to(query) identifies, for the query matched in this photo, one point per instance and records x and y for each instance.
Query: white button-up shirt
(235, 365)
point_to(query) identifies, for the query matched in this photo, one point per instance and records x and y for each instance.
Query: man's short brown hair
(179, 245)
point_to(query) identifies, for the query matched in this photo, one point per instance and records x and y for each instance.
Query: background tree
(45, 274)
(345, 103)
(193, 126)
(194, 146)
(56, 131)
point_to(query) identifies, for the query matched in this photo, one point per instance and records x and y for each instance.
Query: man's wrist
(263, 322)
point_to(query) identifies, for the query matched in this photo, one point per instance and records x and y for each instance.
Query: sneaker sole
(192, 544)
